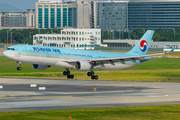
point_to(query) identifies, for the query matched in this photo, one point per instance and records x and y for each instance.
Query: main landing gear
(19, 66)
(67, 72)
(93, 77)
(71, 76)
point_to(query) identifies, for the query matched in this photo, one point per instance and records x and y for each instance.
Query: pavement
(24, 94)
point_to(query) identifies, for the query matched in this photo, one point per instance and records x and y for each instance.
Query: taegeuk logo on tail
(143, 45)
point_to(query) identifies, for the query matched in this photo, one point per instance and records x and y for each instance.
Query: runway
(24, 94)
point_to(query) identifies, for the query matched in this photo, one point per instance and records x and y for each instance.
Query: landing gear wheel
(92, 77)
(64, 73)
(96, 77)
(19, 68)
(68, 76)
(89, 74)
(72, 76)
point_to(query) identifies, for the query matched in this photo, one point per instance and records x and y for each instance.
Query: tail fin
(171, 51)
(142, 46)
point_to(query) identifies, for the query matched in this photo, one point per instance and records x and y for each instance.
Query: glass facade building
(56, 15)
(112, 15)
(153, 14)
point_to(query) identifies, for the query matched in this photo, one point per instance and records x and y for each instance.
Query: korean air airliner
(43, 57)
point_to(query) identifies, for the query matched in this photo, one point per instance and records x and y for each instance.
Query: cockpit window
(10, 49)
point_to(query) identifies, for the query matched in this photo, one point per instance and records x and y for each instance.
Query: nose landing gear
(19, 66)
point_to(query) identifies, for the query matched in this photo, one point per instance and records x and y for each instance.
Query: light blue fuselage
(56, 56)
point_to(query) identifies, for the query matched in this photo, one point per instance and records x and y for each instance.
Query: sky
(20, 4)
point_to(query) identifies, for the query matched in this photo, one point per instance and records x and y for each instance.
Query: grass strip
(163, 112)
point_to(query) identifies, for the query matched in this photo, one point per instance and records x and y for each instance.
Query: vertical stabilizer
(142, 46)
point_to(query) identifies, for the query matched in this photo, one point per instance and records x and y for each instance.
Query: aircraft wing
(128, 58)
(116, 59)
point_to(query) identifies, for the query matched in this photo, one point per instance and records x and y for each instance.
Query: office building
(73, 38)
(17, 20)
(58, 14)
(129, 15)
(153, 14)
(55, 14)
(111, 15)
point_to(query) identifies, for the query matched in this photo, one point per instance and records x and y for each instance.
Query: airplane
(43, 57)
(170, 48)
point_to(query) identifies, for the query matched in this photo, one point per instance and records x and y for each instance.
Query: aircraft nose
(9, 54)
(5, 53)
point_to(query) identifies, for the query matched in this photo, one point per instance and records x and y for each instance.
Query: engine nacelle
(82, 66)
(40, 67)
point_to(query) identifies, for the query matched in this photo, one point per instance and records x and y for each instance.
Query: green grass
(154, 64)
(164, 112)
(167, 70)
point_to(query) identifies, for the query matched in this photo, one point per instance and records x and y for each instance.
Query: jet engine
(40, 67)
(82, 66)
